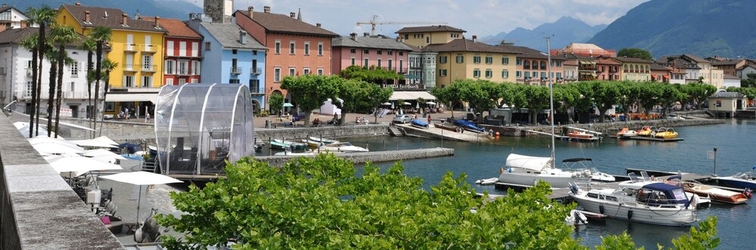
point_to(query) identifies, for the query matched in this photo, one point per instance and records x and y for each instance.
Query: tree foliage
(276, 102)
(320, 203)
(373, 74)
(635, 53)
(309, 92)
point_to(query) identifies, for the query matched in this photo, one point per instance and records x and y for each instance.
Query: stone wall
(39, 210)
(375, 157)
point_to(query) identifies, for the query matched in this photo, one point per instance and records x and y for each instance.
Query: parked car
(402, 119)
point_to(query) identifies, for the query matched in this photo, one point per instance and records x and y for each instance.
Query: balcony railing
(130, 47)
(130, 67)
(255, 71)
(257, 91)
(66, 95)
(148, 48)
(149, 68)
(236, 70)
(183, 72)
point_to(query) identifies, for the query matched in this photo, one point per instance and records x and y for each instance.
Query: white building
(16, 76)
(11, 18)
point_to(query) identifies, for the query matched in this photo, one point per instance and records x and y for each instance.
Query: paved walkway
(351, 118)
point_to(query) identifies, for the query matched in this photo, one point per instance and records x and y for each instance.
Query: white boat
(528, 170)
(637, 182)
(586, 165)
(717, 194)
(342, 147)
(655, 203)
(488, 181)
(288, 153)
(314, 144)
(739, 180)
(323, 140)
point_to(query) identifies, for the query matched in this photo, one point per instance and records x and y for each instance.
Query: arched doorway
(255, 106)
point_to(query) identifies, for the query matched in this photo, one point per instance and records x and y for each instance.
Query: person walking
(429, 119)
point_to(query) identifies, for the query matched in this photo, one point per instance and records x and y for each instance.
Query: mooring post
(715, 161)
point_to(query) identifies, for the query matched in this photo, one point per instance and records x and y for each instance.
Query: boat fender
(630, 214)
(574, 189)
(601, 209)
(501, 170)
(747, 193)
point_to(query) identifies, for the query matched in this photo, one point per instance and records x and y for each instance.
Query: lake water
(734, 142)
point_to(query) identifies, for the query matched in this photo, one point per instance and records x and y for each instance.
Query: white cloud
(478, 17)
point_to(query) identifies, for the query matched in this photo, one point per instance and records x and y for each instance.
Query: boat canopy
(529, 162)
(664, 193)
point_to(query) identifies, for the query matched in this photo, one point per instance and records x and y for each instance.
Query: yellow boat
(646, 131)
(667, 133)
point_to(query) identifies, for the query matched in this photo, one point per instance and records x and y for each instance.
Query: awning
(411, 95)
(131, 97)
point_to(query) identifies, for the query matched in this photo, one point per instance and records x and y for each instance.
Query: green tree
(750, 81)
(276, 102)
(311, 91)
(44, 17)
(360, 95)
(372, 74)
(100, 35)
(649, 96)
(61, 36)
(606, 94)
(446, 95)
(635, 53)
(320, 203)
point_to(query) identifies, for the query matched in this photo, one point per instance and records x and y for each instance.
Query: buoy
(601, 209)
(630, 214)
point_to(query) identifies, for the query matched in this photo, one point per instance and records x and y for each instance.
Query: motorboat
(419, 123)
(289, 153)
(488, 181)
(526, 170)
(323, 140)
(636, 182)
(586, 165)
(739, 180)
(581, 217)
(646, 131)
(315, 144)
(468, 125)
(666, 133)
(655, 203)
(717, 194)
(345, 147)
(283, 144)
(627, 133)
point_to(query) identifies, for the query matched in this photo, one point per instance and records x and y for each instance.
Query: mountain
(178, 9)
(564, 31)
(672, 27)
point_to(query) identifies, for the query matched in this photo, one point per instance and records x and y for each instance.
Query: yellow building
(635, 69)
(427, 35)
(470, 59)
(135, 45)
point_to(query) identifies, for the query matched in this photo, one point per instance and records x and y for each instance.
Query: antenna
(106, 14)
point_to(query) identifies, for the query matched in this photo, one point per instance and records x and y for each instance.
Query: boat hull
(640, 212)
(529, 179)
(738, 183)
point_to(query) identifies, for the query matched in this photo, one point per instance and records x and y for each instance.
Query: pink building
(294, 47)
(368, 51)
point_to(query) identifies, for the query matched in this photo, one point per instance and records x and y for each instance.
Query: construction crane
(373, 23)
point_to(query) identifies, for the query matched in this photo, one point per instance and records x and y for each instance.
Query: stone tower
(219, 10)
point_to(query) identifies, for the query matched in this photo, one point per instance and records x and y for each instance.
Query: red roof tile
(108, 17)
(175, 27)
(278, 23)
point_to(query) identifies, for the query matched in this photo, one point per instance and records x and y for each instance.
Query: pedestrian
(147, 117)
(126, 113)
(429, 119)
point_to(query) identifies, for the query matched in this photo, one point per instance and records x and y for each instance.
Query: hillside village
(259, 48)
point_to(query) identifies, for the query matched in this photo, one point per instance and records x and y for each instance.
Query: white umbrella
(386, 103)
(95, 143)
(407, 103)
(288, 105)
(141, 178)
(103, 155)
(45, 139)
(79, 164)
(56, 148)
(430, 103)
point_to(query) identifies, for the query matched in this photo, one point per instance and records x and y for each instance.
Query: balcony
(257, 91)
(236, 70)
(130, 48)
(255, 71)
(183, 72)
(148, 48)
(130, 67)
(149, 68)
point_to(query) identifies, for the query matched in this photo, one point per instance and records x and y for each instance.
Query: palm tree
(30, 43)
(89, 45)
(100, 35)
(61, 36)
(108, 66)
(42, 16)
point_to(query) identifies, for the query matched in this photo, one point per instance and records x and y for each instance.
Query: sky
(477, 17)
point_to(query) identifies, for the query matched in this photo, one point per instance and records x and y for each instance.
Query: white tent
(329, 108)
(99, 142)
(78, 164)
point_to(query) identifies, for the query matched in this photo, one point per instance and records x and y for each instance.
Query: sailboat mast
(551, 100)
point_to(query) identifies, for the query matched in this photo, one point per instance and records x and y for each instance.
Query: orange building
(294, 47)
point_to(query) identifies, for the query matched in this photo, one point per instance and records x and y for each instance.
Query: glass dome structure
(199, 126)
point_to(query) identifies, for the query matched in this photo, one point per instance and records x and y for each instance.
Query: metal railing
(255, 71)
(149, 48)
(149, 67)
(236, 70)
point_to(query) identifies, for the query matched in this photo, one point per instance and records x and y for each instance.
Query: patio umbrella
(141, 178)
(103, 155)
(386, 103)
(407, 103)
(288, 105)
(99, 142)
(51, 148)
(430, 103)
(78, 164)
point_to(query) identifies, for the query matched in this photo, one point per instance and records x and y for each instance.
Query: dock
(439, 133)
(656, 139)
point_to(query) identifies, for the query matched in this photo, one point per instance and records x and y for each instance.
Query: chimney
(353, 36)
(157, 22)
(78, 4)
(475, 38)
(191, 16)
(86, 16)
(250, 11)
(4, 5)
(242, 37)
(266, 9)
(125, 19)
(366, 34)
(317, 25)
(293, 14)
